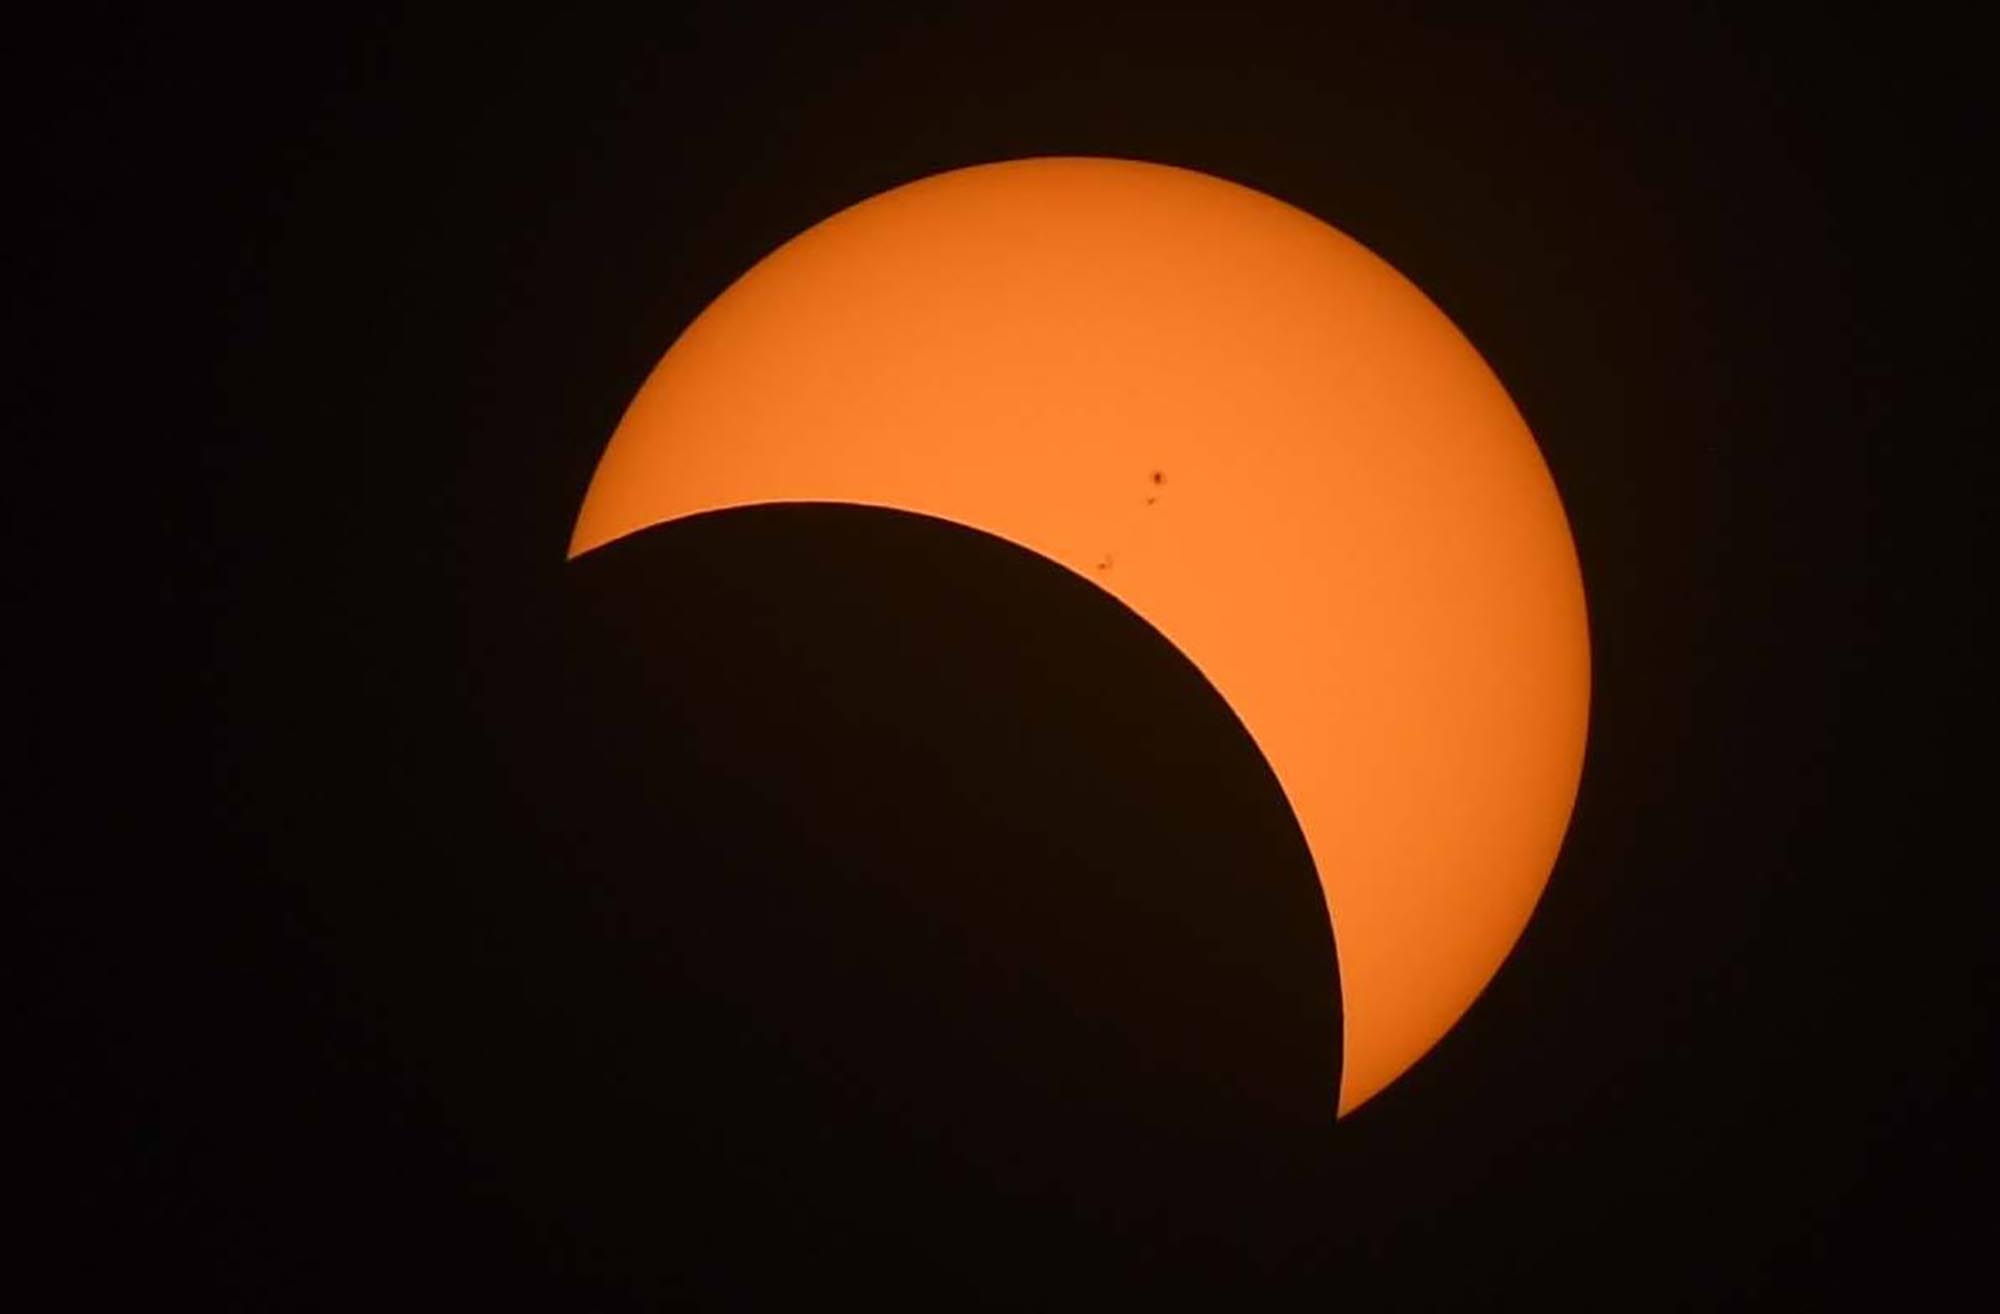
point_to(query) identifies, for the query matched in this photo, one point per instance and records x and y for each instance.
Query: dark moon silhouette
(909, 902)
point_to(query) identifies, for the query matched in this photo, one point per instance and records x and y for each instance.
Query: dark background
(827, 900)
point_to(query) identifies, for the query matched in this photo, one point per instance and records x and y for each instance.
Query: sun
(1246, 427)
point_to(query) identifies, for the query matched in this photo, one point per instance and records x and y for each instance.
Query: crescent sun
(1247, 428)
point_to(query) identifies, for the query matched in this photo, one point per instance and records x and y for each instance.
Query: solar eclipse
(1247, 429)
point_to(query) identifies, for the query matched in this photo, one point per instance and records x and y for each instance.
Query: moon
(1247, 428)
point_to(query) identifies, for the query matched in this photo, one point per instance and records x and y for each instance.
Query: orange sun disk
(1246, 427)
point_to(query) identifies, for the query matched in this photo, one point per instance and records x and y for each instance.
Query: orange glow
(1250, 430)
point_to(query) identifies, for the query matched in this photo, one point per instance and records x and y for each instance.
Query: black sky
(390, 957)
